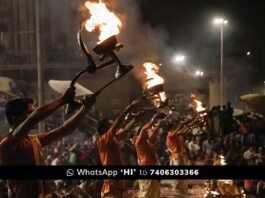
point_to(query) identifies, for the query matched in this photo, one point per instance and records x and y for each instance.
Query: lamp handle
(92, 65)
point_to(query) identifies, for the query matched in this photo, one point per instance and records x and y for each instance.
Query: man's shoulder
(139, 141)
(5, 139)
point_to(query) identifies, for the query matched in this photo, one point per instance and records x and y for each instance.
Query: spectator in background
(74, 155)
(216, 120)
(260, 189)
(249, 156)
(194, 147)
(260, 156)
(208, 147)
(250, 186)
(55, 162)
(229, 118)
(3, 189)
(210, 121)
(232, 151)
(223, 120)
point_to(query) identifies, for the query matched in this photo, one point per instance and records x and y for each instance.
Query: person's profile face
(29, 110)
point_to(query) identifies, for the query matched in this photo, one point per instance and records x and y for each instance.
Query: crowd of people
(133, 139)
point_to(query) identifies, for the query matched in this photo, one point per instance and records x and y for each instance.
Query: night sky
(191, 31)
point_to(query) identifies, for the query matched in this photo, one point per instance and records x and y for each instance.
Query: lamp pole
(41, 125)
(221, 22)
(221, 64)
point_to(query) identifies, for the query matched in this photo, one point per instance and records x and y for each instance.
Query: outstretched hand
(69, 95)
(131, 106)
(155, 117)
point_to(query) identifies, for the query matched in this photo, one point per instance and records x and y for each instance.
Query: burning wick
(102, 19)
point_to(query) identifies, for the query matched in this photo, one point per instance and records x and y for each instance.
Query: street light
(221, 23)
(199, 73)
(178, 58)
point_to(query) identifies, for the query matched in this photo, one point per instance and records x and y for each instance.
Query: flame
(222, 160)
(152, 78)
(102, 19)
(199, 106)
(198, 103)
(223, 163)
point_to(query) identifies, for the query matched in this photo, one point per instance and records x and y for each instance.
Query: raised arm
(183, 126)
(144, 129)
(153, 134)
(122, 116)
(70, 125)
(121, 133)
(41, 113)
(185, 131)
(117, 122)
(188, 128)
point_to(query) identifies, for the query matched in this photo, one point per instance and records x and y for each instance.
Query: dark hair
(103, 126)
(16, 108)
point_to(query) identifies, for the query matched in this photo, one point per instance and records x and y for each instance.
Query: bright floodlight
(248, 53)
(199, 73)
(220, 21)
(179, 59)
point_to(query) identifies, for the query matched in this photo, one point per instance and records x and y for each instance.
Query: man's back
(109, 149)
(19, 154)
(16, 154)
(145, 152)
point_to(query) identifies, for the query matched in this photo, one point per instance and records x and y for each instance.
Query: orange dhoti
(113, 189)
(178, 185)
(149, 188)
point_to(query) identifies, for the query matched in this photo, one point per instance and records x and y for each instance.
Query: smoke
(143, 43)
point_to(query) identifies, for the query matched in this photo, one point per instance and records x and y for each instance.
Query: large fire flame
(102, 19)
(198, 103)
(152, 78)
